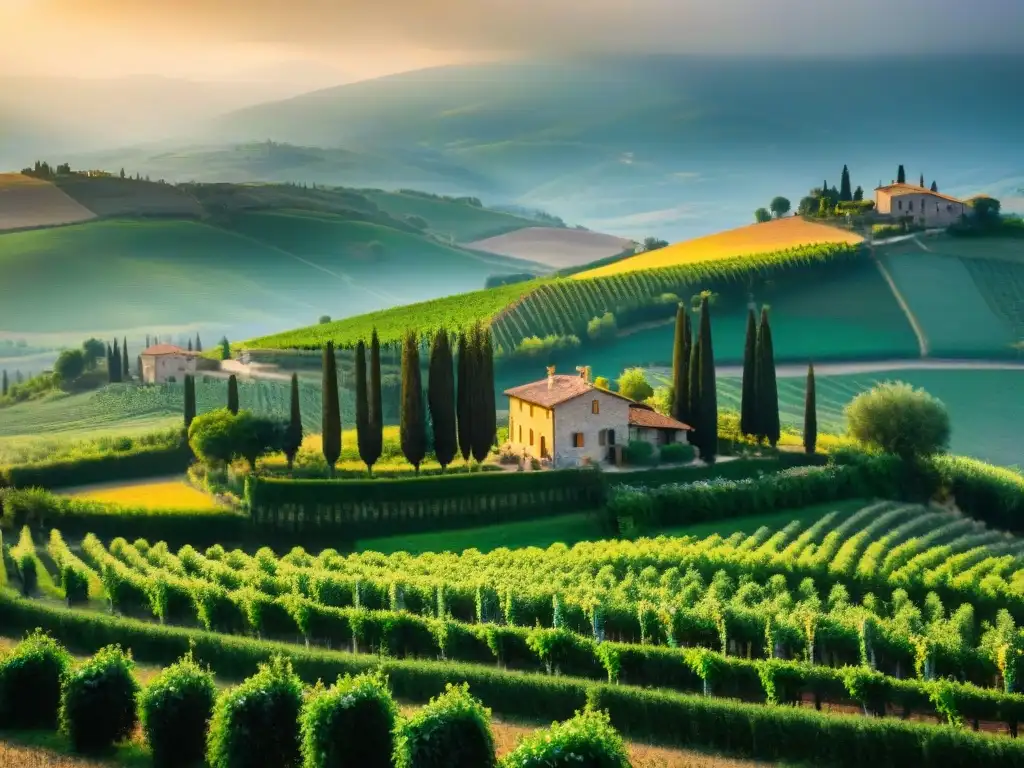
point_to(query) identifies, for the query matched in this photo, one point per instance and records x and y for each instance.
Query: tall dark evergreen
(934, 187)
(693, 376)
(138, 367)
(845, 193)
(363, 438)
(487, 433)
(680, 408)
(5, 385)
(920, 182)
(441, 399)
(293, 432)
(147, 341)
(476, 397)
(707, 421)
(767, 387)
(125, 371)
(901, 176)
(199, 344)
(233, 393)
(115, 362)
(462, 412)
(748, 401)
(330, 410)
(190, 400)
(190, 345)
(375, 444)
(412, 426)
(810, 413)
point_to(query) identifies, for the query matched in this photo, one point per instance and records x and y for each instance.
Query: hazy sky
(223, 39)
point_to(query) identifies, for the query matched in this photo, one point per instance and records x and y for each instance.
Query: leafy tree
(858, 193)
(190, 401)
(601, 382)
(748, 397)
(634, 385)
(331, 409)
(225, 348)
(682, 341)
(324, 319)
(810, 413)
(70, 364)
(255, 436)
(824, 207)
(175, 709)
(125, 372)
(761, 215)
(986, 209)
(654, 244)
(464, 418)
(362, 403)
(375, 444)
(93, 350)
(211, 436)
(292, 440)
(98, 706)
(901, 175)
(896, 418)
(844, 185)
(779, 206)
(602, 328)
(808, 205)
(441, 399)
(934, 187)
(411, 427)
(233, 393)
(706, 424)
(767, 386)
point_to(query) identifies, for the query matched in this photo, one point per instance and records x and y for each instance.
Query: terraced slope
(26, 203)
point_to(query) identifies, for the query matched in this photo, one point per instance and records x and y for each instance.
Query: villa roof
(641, 415)
(165, 349)
(560, 389)
(912, 189)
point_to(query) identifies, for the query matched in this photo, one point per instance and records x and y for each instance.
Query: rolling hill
(26, 203)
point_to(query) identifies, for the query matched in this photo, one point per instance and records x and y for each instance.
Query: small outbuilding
(162, 363)
(647, 425)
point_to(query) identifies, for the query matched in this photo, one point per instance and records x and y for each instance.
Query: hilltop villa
(570, 421)
(919, 205)
(165, 362)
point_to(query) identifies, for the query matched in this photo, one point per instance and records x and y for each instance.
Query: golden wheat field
(777, 235)
(27, 202)
(163, 494)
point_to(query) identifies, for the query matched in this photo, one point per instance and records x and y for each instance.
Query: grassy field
(780, 234)
(459, 222)
(555, 247)
(172, 493)
(27, 202)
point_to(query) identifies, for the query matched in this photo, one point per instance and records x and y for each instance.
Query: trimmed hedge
(130, 465)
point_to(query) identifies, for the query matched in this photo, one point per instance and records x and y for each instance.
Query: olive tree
(896, 418)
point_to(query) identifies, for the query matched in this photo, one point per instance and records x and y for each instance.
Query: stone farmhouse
(571, 422)
(918, 205)
(162, 363)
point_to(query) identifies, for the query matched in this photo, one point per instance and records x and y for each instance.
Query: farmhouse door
(543, 447)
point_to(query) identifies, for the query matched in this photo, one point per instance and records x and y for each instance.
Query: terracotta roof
(564, 388)
(913, 189)
(165, 349)
(641, 415)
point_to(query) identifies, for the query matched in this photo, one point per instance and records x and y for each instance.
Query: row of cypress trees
(117, 362)
(694, 399)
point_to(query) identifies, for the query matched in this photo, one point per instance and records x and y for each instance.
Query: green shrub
(898, 419)
(351, 725)
(142, 462)
(676, 453)
(586, 741)
(98, 706)
(639, 453)
(75, 583)
(454, 729)
(255, 725)
(175, 709)
(31, 677)
(26, 562)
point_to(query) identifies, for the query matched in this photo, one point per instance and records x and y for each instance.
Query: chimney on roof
(584, 372)
(551, 377)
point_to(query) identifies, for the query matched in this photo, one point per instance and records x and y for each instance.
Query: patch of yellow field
(168, 494)
(26, 202)
(777, 235)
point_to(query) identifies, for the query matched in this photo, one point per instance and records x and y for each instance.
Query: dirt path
(791, 370)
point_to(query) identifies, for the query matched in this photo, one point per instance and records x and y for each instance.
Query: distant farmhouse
(162, 363)
(918, 205)
(571, 422)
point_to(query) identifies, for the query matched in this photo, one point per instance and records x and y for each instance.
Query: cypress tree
(138, 367)
(190, 345)
(441, 399)
(5, 385)
(920, 182)
(844, 185)
(488, 415)
(767, 387)
(464, 426)
(293, 433)
(199, 344)
(693, 376)
(810, 413)
(331, 409)
(707, 434)
(363, 439)
(412, 428)
(680, 409)
(375, 444)
(125, 372)
(190, 401)
(233, 393)
(110, 364)
(901, 175)
(748, 402)
(476, 397)
(115, 361)
(147, 341)
(935, 187)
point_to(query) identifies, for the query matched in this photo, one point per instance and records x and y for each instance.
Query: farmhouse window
(531, 411)
(595, 406)
(577, 439)
(949, 206)
(531, 437)
(910, 205)
(900, 204)
(520, 406)
(520, 434)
